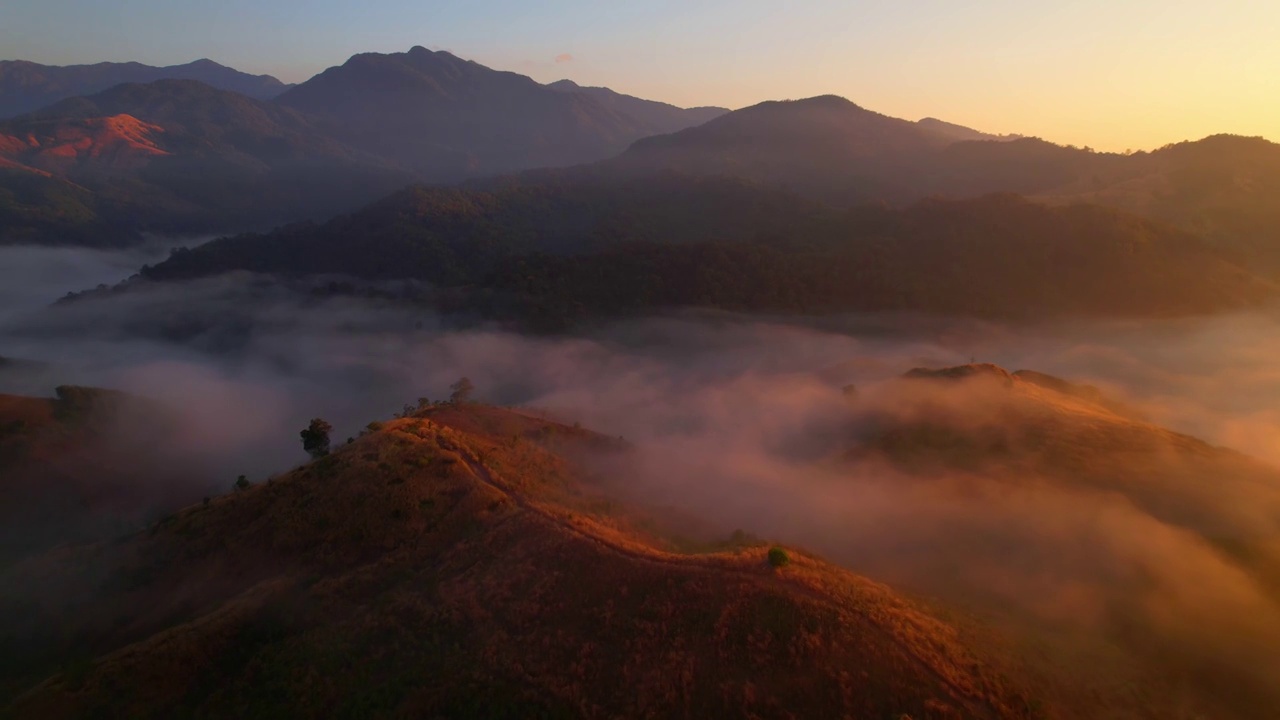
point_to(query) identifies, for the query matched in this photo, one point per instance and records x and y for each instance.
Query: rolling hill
(561, 248)
(1224, 188)
(454, 563)
(27, 86)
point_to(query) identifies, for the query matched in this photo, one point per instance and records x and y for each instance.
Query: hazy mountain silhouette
(27, 86)
(960, 132)
(823, 146)
(831, 149)
(657, 117)
(1222, 187)
(450, 119)
(181, 156)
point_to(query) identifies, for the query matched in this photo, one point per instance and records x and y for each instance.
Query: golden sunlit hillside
(452, 565)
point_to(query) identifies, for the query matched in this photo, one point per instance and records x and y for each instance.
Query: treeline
(999, 258)
(565, 249)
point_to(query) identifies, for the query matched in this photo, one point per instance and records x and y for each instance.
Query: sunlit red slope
(118, 141)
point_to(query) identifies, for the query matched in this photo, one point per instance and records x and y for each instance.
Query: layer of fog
(32, 277)
(738, 420)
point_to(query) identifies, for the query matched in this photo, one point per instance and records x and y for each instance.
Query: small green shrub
(778, 557)
(242, 483)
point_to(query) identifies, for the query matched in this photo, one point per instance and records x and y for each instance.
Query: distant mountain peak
(829, 101)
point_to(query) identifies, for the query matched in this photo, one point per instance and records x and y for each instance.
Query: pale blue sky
(1112, 74)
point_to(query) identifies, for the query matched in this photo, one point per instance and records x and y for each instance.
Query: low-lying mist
(32, 277)
(743, 421)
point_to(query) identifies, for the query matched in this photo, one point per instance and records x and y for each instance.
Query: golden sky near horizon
(1110, 74)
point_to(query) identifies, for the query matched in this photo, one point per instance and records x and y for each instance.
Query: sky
(1107, 74)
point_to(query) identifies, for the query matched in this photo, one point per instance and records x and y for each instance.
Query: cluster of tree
(455, 236)
(315, 438)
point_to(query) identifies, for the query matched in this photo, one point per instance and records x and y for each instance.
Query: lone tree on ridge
(315, 439)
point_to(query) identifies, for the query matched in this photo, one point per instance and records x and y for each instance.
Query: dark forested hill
(27, 86)
(581, 246)
(1225, 188)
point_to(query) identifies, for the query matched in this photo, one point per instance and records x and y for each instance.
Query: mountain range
(658, 118)
(449, 118)
(27, 86)
(1223, 188)
(175, 156)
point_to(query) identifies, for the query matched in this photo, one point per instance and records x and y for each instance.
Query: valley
(423, 388)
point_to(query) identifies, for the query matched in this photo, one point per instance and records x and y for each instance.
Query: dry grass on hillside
(453, 565)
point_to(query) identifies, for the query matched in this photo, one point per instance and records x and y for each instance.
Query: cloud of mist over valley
(742, 421)
(32, 276)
